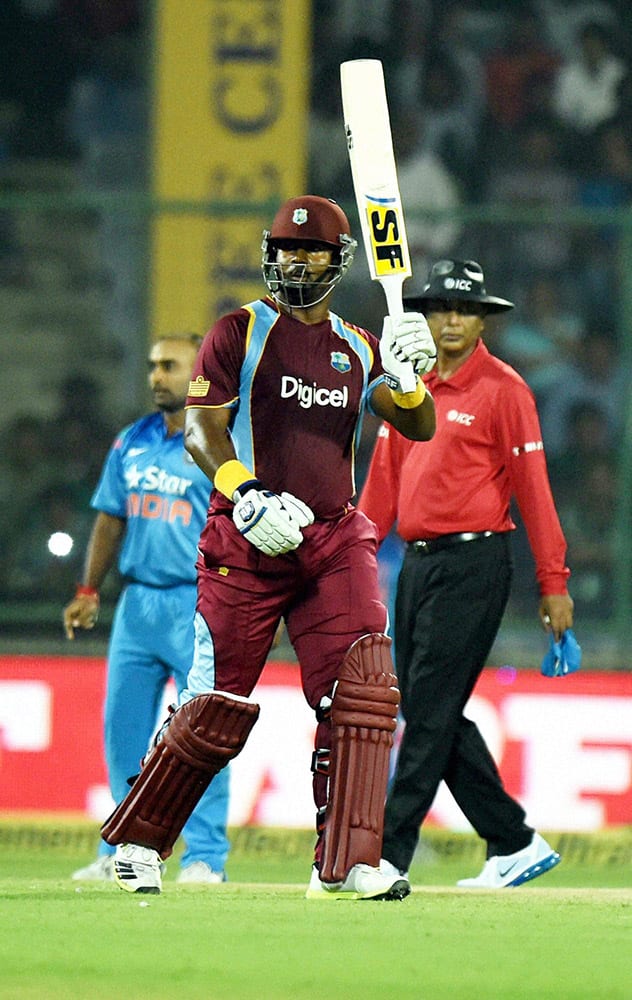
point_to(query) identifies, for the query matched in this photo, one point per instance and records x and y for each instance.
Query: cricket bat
(374, 173)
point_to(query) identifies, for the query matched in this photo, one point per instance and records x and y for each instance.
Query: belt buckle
(421, 545)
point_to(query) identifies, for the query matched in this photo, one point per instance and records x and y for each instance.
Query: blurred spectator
(519, 76)
(381, 26)
(36, 68)
(596, 276)
(589, 440)
(426, 187)
(359, 22)
(107, 123)
(77, 464)
(425, 184)
(586, 499)
(450, 121)
(80, 416)
(589, 519)
(564, 19)
(87, 22)
(26, 467)
(46, 551)
(48, 471)
(534, 178)
(606, 180)
(82, 397)
(541, 338)
(328, 168)
(598, 375)
(14, 269)
(605, 183)
(587, 90)
(451, 29)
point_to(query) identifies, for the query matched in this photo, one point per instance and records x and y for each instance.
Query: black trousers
(448, 610)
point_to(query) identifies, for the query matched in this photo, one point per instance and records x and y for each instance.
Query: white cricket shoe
(198, 872)
(362, 882)
(137, 869)
(510, 870)
(388, 868)
(101, 870)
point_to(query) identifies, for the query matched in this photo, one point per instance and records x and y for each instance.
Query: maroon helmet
(311, 222)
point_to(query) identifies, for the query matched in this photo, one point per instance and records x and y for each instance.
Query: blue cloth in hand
(563, 657)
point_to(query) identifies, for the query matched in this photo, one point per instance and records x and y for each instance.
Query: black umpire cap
(456, 281)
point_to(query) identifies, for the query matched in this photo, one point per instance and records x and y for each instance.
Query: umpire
(451, 500)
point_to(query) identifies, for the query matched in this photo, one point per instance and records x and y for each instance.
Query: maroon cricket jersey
(297, 393)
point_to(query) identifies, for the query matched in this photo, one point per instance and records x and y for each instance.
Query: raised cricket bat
(370, 145)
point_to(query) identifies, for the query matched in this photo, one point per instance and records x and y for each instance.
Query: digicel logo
(311, 394)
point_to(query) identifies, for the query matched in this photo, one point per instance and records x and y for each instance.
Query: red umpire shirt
(487, 447)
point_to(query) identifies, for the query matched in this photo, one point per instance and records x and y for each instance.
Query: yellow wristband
(409, 400)
(230, 476)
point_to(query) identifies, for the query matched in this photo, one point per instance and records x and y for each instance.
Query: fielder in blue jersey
(151, 503)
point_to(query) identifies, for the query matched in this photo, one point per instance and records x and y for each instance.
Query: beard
(169, 403)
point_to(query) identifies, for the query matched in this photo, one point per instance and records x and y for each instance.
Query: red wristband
(87, 592)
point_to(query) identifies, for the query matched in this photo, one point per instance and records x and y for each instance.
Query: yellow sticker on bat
(385, 231)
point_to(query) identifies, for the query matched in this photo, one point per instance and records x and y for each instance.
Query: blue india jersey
(153, 483)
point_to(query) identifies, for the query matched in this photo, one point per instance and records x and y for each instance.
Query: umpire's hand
(556, 614)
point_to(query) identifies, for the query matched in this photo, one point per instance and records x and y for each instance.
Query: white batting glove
(299, 511)
(408, 338)
(272, 523)
(398, 375)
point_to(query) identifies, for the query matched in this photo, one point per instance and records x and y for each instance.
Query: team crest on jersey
(340, 361)
(300, 216)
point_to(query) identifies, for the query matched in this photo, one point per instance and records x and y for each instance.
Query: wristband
(87, 592)
(409, 400)
(232, 475)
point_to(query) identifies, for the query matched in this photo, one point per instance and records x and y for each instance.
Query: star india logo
(300, 216)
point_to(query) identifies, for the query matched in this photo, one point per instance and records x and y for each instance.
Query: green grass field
(566, 935)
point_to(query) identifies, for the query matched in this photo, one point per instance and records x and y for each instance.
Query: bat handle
(394, 301)
(393, 291)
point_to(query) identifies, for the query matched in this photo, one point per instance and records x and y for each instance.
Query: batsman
(273, 417)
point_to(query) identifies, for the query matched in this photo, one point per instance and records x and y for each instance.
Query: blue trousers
(152, 640)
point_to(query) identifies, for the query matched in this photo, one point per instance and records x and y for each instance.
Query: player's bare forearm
(105, 539)
(206, 438)
(417, 423)
(103, 547)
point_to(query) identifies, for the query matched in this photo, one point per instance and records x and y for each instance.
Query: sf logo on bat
(386, 231)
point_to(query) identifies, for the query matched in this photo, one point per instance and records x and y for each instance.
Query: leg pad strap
(201, 737)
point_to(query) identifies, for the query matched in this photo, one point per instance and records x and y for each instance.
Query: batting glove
(408, 338)
(299, 511)
(272, 523)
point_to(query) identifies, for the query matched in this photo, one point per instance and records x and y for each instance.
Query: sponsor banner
(563, 745)
(230, 111)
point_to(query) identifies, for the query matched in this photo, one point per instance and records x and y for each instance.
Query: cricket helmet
(314, 223)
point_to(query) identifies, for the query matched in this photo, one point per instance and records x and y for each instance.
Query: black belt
(425, 547)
